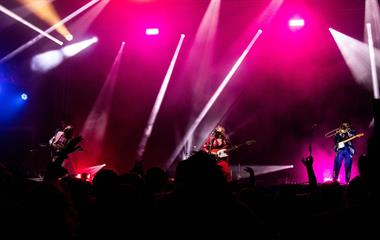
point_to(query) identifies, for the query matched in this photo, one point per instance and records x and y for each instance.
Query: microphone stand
(311, 138)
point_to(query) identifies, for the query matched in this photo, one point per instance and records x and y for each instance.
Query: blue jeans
(340, 155)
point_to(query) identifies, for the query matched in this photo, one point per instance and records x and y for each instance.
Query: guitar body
(221, 154)
(342, 144)
(338, 147)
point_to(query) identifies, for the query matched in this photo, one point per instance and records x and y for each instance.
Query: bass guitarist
(344, 150)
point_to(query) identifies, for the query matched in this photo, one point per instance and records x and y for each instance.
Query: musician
(60, 140)
(344, 151)
(62, 144)
(218, 140)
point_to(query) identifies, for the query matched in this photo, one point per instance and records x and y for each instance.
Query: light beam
(158, 102)
(52, 28)
(212, 100)
(28, 24)
(375, 83)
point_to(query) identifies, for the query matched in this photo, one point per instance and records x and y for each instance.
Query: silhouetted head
(200, 172)
(155, 179)
(105, 183)
(85, 176)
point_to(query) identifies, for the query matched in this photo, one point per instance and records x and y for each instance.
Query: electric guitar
(224, 152)
(341, 144)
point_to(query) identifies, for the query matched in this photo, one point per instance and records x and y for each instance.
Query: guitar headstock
(360, 134)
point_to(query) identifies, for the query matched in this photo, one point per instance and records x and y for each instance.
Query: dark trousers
(340, 155)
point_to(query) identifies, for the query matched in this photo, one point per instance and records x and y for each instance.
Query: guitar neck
(235, 147)
(349, 139)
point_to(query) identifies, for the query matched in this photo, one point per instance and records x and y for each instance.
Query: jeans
(340, 155)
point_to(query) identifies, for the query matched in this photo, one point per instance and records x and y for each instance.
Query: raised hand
(249, 170)
(308, 161)
(252, 179)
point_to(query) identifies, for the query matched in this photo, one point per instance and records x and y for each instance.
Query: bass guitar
(341, 144)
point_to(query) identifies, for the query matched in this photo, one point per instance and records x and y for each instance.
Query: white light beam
(212, 100)
(28, 24)
(375, 83)
(52, 28)
(158, 102)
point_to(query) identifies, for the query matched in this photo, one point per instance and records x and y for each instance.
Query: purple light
(296, 23)
(152, 31)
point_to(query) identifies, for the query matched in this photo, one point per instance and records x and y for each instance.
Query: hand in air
(249, 170)
(308, 161)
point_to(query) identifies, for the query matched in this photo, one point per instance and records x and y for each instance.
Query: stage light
(45, 10)
(360, 58)
(296, 23)
(95, 127)
(28, 24)
(152, 31)
(75, 48)
(24, 96)
(159, 99)
(259, 169)
(52, 28)
(371, 48)
(329, 179)
(69, 37)
(212, 100)
(46, 61)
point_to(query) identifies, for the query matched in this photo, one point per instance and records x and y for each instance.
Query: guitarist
(345, 151)
(58, 145)
(60, 139)
(218, 140)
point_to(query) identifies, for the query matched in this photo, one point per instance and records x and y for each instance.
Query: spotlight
(296, 23)
(75, 48)
(46, 61)
(69, 37)
(152, 31)
(24, 96)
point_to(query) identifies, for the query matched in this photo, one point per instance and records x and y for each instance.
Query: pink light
(152, 31)
(329, 179)
(296, 23)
